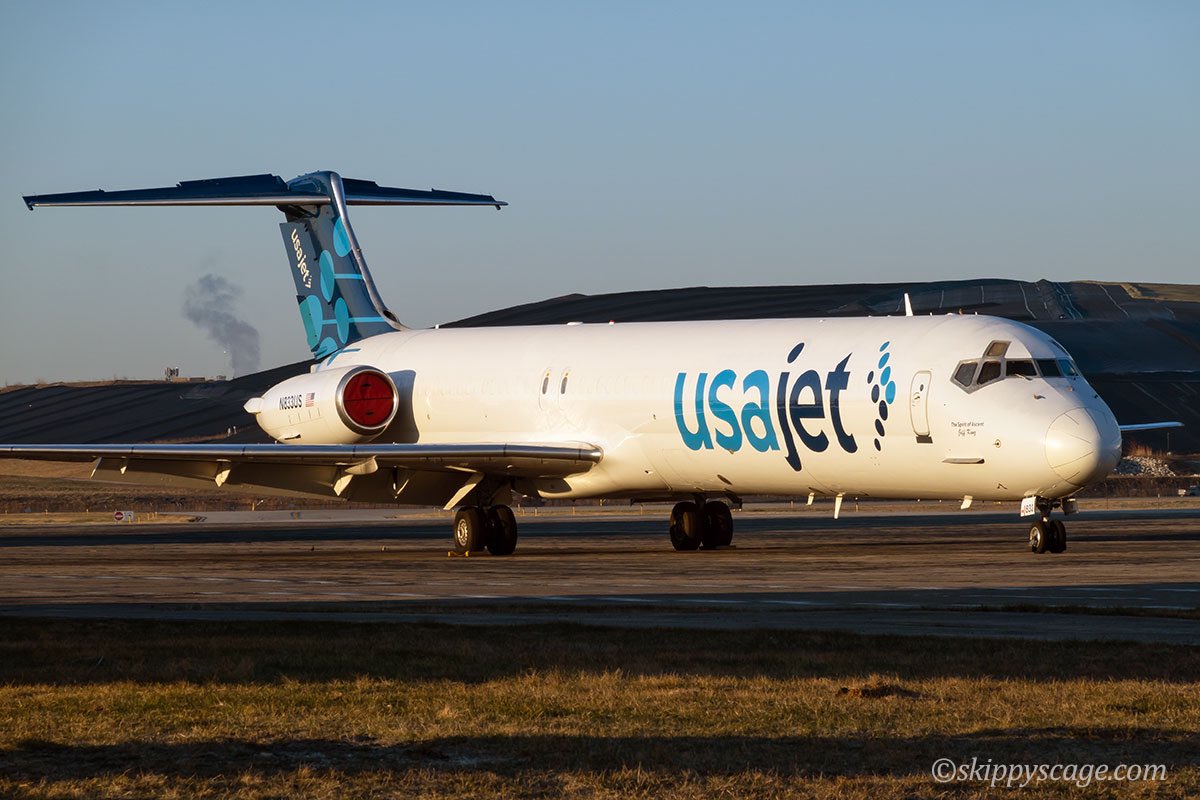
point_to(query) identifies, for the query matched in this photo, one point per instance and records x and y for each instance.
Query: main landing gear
(701, 524)
(1049, 535)
(493, 528)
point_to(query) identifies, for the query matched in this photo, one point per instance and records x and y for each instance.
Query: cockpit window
(965, 373)
(989, 372)
(1022, 367)
(996, 349)
(973, 374)
(1049, 368)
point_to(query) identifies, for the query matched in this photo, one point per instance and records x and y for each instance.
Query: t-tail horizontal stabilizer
(339, 304)
(261, 190)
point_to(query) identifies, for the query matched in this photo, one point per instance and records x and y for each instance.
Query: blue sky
(641, 145)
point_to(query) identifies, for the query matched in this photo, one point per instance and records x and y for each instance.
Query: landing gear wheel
(687, 525)
(502, 531)
(470, 530)
(718, 525)
(1056, 532)
(1039, 537)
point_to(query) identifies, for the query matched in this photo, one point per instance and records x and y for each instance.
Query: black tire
(1058, 536)
(686, 526)
(718, 525)
(502, 531)
(1038, 537)
(470, 530)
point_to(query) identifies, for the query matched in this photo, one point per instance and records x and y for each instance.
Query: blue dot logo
(328, 345)
(328, 282)
(341, 315)
(311, 316)
(883, 392)
(341, 241)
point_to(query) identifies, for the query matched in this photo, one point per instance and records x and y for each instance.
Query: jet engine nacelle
(334, 406)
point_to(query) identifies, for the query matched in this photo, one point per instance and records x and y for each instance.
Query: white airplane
(705, 413)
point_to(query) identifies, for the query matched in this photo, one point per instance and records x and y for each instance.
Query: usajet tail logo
(301, 260)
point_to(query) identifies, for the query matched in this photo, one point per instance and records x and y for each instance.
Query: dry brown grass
(16, 467)
(254, 710)
(91, 518)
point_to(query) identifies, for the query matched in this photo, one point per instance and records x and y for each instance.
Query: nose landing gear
(1048, 535)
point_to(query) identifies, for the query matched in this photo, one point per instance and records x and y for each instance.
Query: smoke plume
(209, 303)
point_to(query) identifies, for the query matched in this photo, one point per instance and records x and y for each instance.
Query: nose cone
(1083, 446)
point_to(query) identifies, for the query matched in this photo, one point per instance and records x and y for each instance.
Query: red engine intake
(366, 401)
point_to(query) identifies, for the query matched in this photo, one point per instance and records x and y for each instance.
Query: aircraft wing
(527, 460)
(432, 474)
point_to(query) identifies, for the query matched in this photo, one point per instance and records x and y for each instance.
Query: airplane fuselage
(861, 406)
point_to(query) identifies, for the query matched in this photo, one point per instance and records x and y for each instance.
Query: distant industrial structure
(171, 375)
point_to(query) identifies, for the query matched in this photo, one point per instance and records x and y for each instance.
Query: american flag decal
(309, 399)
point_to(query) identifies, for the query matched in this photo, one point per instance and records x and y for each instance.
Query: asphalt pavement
(1130, 575)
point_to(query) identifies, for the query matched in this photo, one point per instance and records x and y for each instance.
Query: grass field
(256, 710)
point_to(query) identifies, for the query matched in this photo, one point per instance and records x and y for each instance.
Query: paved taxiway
(939, 573)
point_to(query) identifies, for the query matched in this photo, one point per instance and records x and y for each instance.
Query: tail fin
(338, 301)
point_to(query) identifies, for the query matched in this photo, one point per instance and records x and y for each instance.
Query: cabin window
(545, 383)
(562, 387)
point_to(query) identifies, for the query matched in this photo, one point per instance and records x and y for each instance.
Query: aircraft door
(918, 404)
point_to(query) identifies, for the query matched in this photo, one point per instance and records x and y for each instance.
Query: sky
(640, 146)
